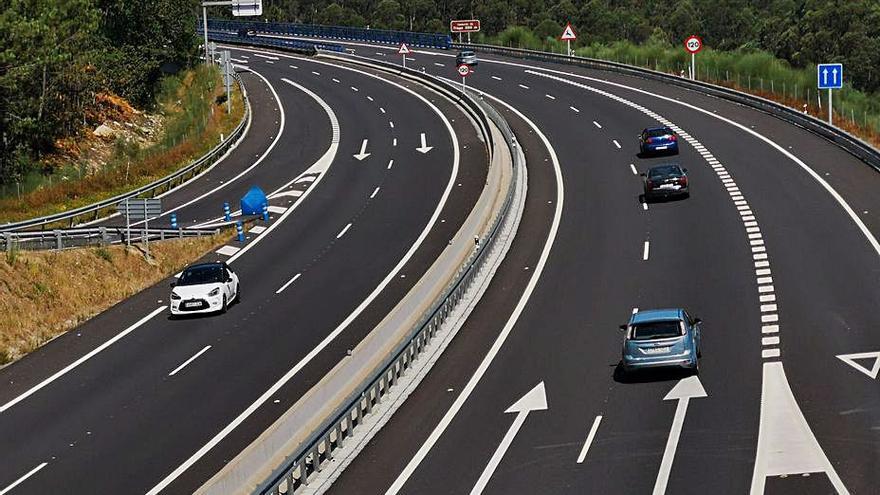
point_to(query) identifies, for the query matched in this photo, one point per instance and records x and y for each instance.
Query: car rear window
(657, 330)
(201, 275)
(466, 54)
(658, 132)
(665, 171)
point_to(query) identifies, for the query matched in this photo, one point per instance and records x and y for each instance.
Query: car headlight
(215, 292)
(175, 297)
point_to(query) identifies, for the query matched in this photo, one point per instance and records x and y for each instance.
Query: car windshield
(656, 330)
(466, 54)
(196, 275)
(665, 171)
(658, 132)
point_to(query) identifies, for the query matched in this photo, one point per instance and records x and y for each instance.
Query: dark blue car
(661, 338)
(655, 140)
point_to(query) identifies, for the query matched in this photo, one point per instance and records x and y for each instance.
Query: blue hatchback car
(658, 140)
(661, 338)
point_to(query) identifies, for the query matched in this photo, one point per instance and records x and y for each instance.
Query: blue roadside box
(253, 202)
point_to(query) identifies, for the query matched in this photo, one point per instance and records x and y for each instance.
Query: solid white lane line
(83, 359)
(375, 191)
(292, 280)
(343, 231)
(575, 110)
(616, 144)
(456, 406)
(392, 275)
(550, 97)
(523, 86)
(589, 441)
(633, 168)
(204, 350)
(21, 480)
(646, 250)
(597, 124)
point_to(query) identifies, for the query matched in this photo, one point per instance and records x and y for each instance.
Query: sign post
(830, 77)
(465, 26)
(567, 36)
(139, 209)
(239, 8)
(404, 51)
(693, 44)
(227, 78)
(463, 70)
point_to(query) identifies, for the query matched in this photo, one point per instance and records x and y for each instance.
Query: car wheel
(225, 305)
(696, 369)
(237, 293)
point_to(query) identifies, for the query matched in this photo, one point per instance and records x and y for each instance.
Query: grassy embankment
(39, 299)
(752, 71)
(194, 120)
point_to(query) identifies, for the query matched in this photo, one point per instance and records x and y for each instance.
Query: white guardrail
(94, 211)
(294, 449)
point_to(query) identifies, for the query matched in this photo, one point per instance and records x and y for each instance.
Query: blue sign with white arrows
(830, 76)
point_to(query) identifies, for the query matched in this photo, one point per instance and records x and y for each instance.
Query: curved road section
(775, 250)
(133, 402)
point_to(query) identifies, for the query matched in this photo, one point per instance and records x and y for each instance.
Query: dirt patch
(39, 299)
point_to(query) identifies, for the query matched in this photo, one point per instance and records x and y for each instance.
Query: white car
(204, 288)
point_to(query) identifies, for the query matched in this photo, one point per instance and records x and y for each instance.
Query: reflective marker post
(226, 214)
(240, 229)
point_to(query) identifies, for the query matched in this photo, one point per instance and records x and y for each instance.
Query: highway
(775, 250)
(133, 402)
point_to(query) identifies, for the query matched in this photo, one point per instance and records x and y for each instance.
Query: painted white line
(765, 280)
(257, 229)
(391, 123)
(21, 480)
(343, 231)
(293, 66)
(523, 86)
(575, 110)
(766, 289)
(265, 56)
(767, 298)
(307, 178)
(390, 164)
(771, 318)
(279, 291)
(392, 275)
(550, 97)
(204, 350)
(589, 441)
(354, 89)
(438, 64)
(762, 271)
(767, 354)
(375, 192)
(83, 359)
(635, 310)
(382, 109)
(228, 250)
(276, 209)
(316, 73)
(496, 78)
(770, 340)
(335, 80)
(645, 206)
(646, 250)
(770, 329)
(633, 168)
(597, 124)
(394, 142)
(370, 98)
(244, 56)
(616, 143)
(508, 327)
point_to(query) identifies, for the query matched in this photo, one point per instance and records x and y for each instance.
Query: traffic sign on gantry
(830, 76)
(247, 7)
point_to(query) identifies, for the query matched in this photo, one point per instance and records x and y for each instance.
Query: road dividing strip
(590, 437)
(23, 478)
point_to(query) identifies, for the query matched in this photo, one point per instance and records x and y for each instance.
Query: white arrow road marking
(786, 445)
(535, 400)
(686, 389)
(850, 360)
(363, 154)
(424, 149)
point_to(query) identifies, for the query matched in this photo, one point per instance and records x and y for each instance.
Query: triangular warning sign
(568, 33)
(850, 359)
(404, 50)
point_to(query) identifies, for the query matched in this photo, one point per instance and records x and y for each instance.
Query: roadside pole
(227, 79)
(205, 25)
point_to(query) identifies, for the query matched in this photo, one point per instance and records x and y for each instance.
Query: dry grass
(39, 299)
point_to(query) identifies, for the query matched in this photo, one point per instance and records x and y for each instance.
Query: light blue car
(662, 338)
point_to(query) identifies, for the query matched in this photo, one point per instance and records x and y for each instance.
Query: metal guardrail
(302, 46)
(96, 210)
(95, 236)
(425, 40)
(308, 457)
(852, 144)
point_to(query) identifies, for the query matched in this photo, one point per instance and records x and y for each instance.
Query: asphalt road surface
(782, 269)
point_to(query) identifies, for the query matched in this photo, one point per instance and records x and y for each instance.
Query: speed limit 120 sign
(693, 44)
